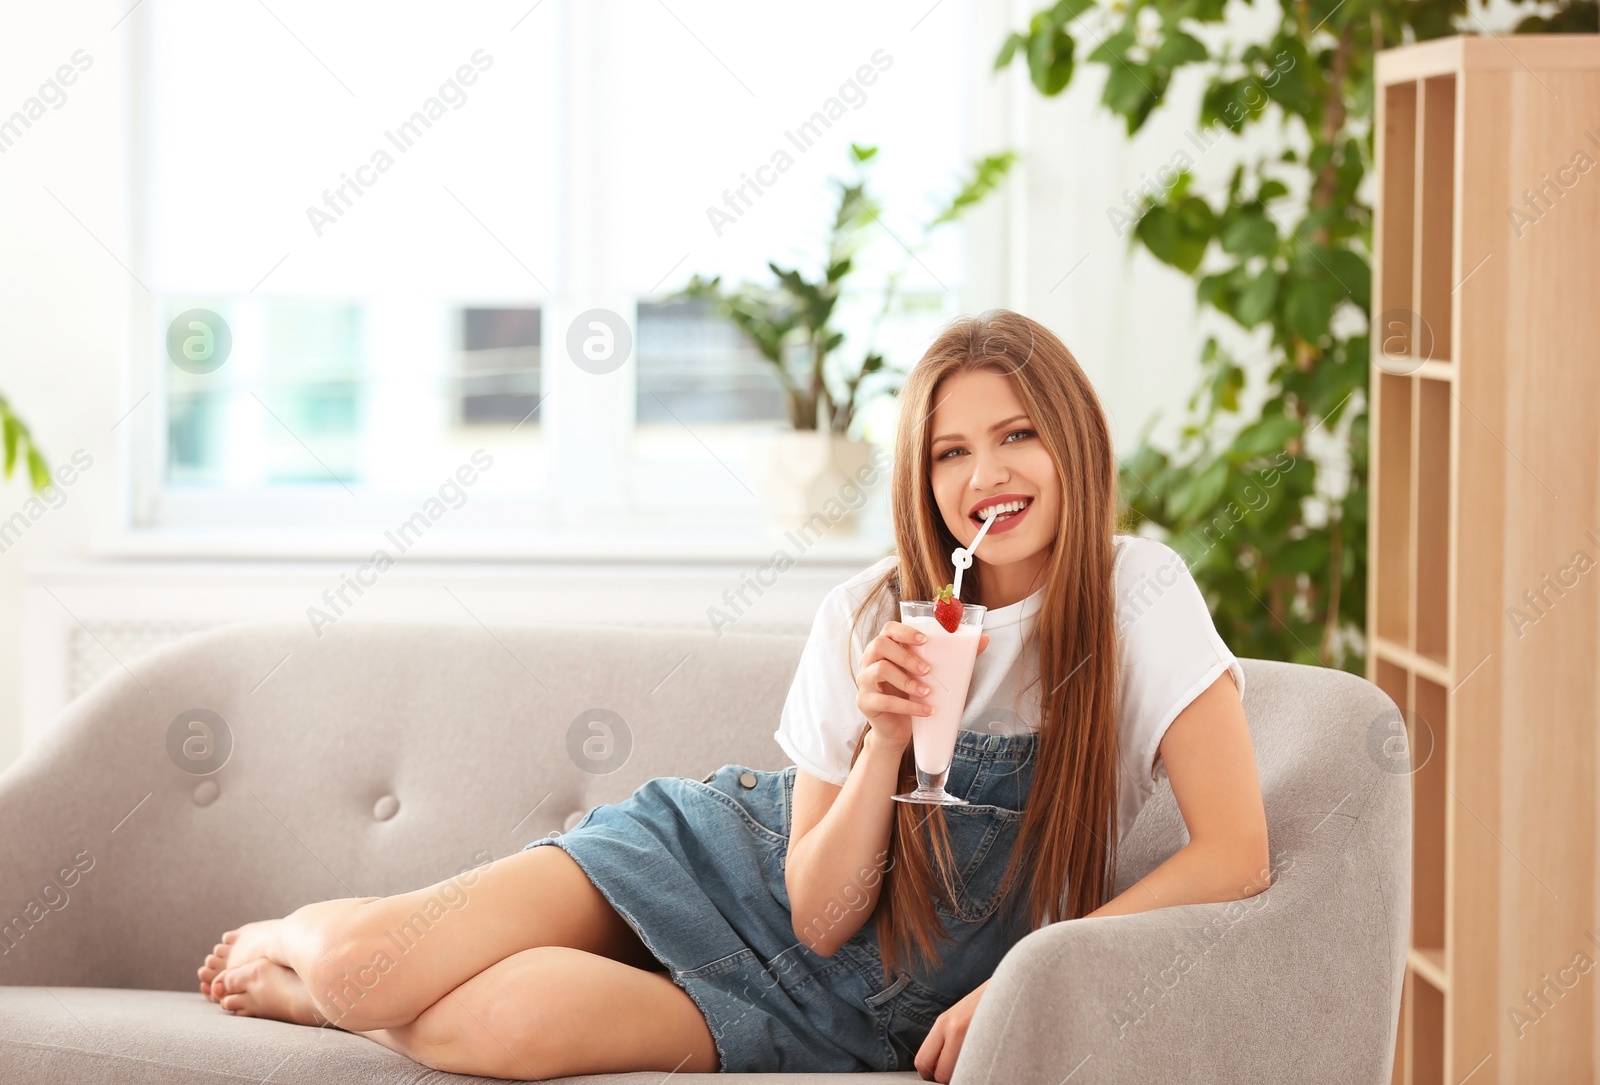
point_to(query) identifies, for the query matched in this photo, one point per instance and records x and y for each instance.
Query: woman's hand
(891, 678)
(936, 1058)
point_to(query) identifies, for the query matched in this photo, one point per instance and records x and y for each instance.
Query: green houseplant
(795, 323)
(1276, 539)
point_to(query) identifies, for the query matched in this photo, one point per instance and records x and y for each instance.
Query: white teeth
(995, 510)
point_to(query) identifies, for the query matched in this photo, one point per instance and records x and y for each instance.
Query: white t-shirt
(1170, 653)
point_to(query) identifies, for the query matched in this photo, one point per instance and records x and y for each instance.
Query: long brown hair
(1067, 842)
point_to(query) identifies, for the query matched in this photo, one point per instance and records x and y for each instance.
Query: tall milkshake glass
(951, 657)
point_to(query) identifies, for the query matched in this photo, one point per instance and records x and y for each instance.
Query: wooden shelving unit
(1485, 488)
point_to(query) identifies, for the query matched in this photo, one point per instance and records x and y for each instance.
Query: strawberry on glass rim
(947, 608)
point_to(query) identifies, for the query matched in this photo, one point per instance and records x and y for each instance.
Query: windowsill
(651, 544)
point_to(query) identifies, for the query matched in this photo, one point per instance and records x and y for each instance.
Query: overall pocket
(759, 798)
(982, 838)
(913, 1005)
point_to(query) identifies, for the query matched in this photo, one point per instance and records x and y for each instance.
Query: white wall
(64, 299)
(66, 302)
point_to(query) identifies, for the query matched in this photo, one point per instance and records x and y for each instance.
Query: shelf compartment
(1433, 521)
(1435, 205)
(1428, 732)
(1426, 1042)
(1396, 226)
(1401, 656)
(1391, 472)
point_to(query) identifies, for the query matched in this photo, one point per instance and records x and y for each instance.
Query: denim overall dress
(696, 868)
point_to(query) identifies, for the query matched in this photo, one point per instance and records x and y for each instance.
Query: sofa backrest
(372, 760)
(381, 758)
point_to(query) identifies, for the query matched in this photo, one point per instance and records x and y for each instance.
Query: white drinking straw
(961, 556)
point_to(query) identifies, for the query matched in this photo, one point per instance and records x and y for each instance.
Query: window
(394, 222)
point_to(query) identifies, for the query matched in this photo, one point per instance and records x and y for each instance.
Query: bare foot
(251, 942)
(263, 988)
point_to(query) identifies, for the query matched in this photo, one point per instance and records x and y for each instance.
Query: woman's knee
(498, 1025)
(522, 1007)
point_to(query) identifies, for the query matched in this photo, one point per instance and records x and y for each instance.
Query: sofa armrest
(1298, 983)
(1116, 998)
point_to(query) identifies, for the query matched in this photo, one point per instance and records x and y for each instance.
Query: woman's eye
(957, 448)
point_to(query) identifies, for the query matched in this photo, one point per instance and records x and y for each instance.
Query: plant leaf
(1198, 492)
(1009, 50)
(1178, 236)
(1050, 60)
(1308, 306)
(988, 173)
(1270, 433)
(1178, 48)
(1125, 89)
(38, 470)
(1256, 300)
(1250, 234)
(13, 432)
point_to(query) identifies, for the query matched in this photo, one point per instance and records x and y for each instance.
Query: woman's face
(984, 447)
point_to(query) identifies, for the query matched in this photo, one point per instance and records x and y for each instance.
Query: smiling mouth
(1002, 516)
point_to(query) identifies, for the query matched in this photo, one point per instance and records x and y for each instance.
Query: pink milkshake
(951, 657)
(953, 629)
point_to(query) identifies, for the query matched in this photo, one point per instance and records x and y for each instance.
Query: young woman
(802, 920)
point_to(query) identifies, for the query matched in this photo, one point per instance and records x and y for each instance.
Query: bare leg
(545, 1012)
(552, 1011)
(378, 962)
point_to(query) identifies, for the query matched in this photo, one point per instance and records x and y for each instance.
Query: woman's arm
(1212, 768)
(839, 846)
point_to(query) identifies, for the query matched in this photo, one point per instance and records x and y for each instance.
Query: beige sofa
(378, 759)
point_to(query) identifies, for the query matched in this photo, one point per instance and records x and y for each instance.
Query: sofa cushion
(111, 1036)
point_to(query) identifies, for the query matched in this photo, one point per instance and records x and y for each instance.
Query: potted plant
(793, 322)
